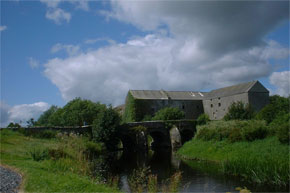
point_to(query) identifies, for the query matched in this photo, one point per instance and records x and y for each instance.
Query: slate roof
(165, 95)
(254, 86)
(237, 89)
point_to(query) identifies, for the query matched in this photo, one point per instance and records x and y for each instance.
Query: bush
(239, 111)
(254, 129)
(39, 154)
(169, 113)
(105, 127)
(278, 106)
(13, 125)
(283, 133)
(203, 119)
(280, 127)
(232, 131)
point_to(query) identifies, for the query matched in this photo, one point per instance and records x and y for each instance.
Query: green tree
(203, 119)
(169, 113)
(43, 120)
(13, 125)
(239, 111)
(30, 122)
(278, 106)
(105, 127)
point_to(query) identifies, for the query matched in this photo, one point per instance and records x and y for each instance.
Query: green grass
(260, 161)
(66, 174)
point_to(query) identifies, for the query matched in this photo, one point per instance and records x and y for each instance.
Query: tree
(169, 113)
(105, 127)
(13, 125)
(278, 106)
(30, 122)
(203, 119)
(239, 111)
(43, 120)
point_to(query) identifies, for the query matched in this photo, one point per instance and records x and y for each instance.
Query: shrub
(203, 119)
(39, 154)
(278, 106)
(47, 134)
(169, 113)
(254, 129)
(280, 127)
(105, 127)
(232, 131)
(283, 133)
(147, 118)
(239, 111)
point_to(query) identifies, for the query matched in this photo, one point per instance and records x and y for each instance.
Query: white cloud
(3, 28)
(92, 41)
(71, 50)
(21, 113)
(152, 62)
(58, 15)
(33, 63)
(282, 82)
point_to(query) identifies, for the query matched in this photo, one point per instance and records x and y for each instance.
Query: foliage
(280, 127)
(263, 161)
(239, 111)
(63, 171)
(278, 105)
(44, 118)
(13, 125)
(75, 113)
(138, 179)
(38, 133)
(203, 119)
(232, 131)
(147, 118)
(135, 109)
(169, 113)
(105, 127)
(283, 133)
(39, 154)
(31, 122)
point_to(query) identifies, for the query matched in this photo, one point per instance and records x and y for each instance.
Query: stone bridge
(170, 134)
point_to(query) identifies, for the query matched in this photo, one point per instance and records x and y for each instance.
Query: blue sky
(54, 51)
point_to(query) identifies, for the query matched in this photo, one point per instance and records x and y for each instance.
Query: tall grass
(142, 180)
(261, 161)
(51, 165)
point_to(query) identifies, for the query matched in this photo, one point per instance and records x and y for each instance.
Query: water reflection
(196, 176)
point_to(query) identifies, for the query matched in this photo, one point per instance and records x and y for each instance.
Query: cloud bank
(21, 113)
(207, 45)
(282, 82)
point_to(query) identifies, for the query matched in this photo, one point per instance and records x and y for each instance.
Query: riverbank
(51, 165)
(263, 161)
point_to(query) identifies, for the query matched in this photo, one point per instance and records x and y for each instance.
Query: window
(211, 105)
(183, 107)
(219, 98)
(153, 110)
(197, 106)
(219, 104)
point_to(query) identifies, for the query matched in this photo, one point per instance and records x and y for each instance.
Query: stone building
(142, 103)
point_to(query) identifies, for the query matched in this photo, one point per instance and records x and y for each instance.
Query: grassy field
(50, 165)
(259, 161)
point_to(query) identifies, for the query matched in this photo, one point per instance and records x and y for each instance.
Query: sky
(53, 51)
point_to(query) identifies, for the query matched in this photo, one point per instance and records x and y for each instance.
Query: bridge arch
(186, 135)
(160, 139)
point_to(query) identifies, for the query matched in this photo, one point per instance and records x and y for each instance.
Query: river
(196, 176)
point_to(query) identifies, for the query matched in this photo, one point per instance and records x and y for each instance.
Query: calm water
(196, 176)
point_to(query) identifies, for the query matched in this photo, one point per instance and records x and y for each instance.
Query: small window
(219, 98)
(219, 104)
(183, 107)
(197, 106)
(153, 110)
(211, 105)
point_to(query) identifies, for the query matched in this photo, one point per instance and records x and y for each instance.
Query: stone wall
(217, 108)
